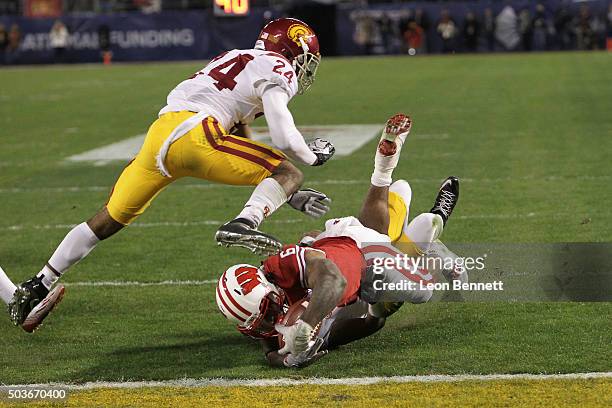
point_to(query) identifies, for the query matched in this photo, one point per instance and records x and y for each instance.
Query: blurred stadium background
(46, 31)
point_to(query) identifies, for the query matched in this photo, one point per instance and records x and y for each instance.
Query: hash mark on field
(206, 186)
(346, 139)
(220, 382)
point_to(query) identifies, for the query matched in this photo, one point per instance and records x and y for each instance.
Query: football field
(530, 136)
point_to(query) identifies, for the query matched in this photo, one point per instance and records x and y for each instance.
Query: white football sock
(7, 287)
(266, 198)
(384, 165)
(76, 245)
(424, 229)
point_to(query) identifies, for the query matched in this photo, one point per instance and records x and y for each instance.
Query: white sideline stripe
(203, 186)
(220, 382)
(135, 283)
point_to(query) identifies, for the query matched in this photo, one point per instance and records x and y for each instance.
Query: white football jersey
(230, 87)
(352, 228)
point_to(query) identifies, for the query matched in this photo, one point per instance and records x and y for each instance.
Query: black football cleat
(240, 233)
(447, 198)
(32, 302)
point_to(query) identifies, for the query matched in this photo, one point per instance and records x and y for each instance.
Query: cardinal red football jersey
(288, 270)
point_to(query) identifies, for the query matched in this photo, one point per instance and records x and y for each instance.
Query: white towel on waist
(178, 132)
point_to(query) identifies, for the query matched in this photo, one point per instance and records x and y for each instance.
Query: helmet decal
(245, 297)
(297, 31)
(297, 42)
(247, 278)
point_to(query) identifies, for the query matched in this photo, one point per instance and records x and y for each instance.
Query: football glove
(323, 149)
(296, 337)
(307, 357)
(310, 202)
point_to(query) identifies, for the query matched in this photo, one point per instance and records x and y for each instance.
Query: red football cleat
(398, 125)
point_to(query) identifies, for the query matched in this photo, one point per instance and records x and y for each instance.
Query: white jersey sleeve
(283, 132)
(275, 71)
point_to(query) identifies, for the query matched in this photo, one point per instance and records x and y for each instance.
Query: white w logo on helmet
(246, 297)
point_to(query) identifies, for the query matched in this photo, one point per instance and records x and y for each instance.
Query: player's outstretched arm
(327, 284)
(286, 136)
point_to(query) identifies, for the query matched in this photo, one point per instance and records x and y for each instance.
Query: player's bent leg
(136, 187)
(425, 228)
(103, 225)
(216, 156)
(389, 148)
(268, 196)
(271, 193)
(7, 287)
(288, 176)
(34, 299)
(374, 212)
(417, 236)
(400, 196)
(447, 198)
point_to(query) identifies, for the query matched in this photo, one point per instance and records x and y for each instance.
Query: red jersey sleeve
(343, 252)
(287, 269)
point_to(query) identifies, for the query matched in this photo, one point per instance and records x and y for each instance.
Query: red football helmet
(297, 42)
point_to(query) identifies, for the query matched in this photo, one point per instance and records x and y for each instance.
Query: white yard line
(220, 382)
(206, 186)
(197, 223)
(135, 283)
(140, 224)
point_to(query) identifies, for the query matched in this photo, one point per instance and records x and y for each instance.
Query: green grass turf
(530, 135)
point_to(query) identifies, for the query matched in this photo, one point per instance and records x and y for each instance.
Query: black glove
(323, 149)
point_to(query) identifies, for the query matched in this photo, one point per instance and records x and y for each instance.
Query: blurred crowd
(59, 41)
(400, 28)
(10, 38)
(413, 31)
